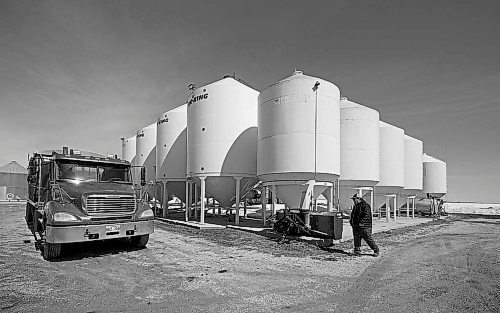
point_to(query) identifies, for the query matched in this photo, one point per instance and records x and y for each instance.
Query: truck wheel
(139, 241)
(51, 251)
(29, 217)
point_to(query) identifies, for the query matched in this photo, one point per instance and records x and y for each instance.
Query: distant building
(14, 176)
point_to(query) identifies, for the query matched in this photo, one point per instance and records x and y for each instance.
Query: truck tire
(139, 241)
(51, 251)
(29, 217)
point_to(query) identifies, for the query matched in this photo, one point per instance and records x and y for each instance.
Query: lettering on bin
(197, 98)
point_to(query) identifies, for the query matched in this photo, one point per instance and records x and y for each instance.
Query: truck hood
(77, 191)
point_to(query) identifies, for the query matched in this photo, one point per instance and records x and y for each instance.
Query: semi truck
(78, 196)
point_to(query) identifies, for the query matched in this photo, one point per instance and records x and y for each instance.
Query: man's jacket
(361, 216)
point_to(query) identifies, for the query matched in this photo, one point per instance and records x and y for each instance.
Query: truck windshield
(93, 172)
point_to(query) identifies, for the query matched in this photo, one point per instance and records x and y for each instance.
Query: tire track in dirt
(452, 270)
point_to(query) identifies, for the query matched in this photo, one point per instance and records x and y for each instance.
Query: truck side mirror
(143, 176)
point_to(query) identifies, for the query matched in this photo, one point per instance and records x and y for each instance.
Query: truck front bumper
(79, 233)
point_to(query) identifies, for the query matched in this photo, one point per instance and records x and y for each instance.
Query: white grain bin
(222, 139)
(171, 151)
(146, 152)
(14, 176)
(129, 149)
(413, 168)
(434, 176)
(3, 193)
(392, 170)
(359, 151)
(299, 136)
(128, 154)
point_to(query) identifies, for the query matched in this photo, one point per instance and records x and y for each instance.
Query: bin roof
(13, 168)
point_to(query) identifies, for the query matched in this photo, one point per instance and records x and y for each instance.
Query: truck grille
(115, 205)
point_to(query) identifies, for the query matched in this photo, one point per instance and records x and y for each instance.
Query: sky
(82, 73)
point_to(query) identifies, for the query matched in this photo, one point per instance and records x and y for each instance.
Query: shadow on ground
(95, 249)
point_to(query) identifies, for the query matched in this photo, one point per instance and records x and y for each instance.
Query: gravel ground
(443, 266)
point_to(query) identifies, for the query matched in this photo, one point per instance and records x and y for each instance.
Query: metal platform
(193, 224)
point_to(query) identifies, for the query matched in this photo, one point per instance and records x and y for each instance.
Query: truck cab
(80, 196)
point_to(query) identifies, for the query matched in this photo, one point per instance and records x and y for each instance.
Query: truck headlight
(65, 217)
(147, 214)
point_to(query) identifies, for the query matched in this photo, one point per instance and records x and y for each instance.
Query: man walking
(361, 223)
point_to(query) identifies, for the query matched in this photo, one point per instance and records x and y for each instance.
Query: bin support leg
(395, 207)
(165, 201)
(273, 203)
(263, 198)
(387, 208)
(202, 200)
(371, 198)
(407, 207)
(195, 202)
(237, 206)
(331, 207)
(245, 208)
(329, 201)
(413, 208)
(186, 201)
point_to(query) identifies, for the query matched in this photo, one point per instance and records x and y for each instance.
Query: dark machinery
(288, 224)
(326, 225)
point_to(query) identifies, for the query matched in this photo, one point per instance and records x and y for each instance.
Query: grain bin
(146, 153)
(413, 165)
(222, 139)
(392, 157)
(171, 152)
(413, 171)
(128, 154)
(129, 149)
(434, 176)
(3, 193)
(14, 176)
(359, 152)
(299, 137)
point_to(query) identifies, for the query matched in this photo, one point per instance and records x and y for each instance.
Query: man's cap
(355, 196)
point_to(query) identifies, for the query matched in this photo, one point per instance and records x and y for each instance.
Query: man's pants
(366, 234)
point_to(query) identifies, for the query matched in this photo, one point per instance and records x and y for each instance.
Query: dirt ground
(443, 266)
